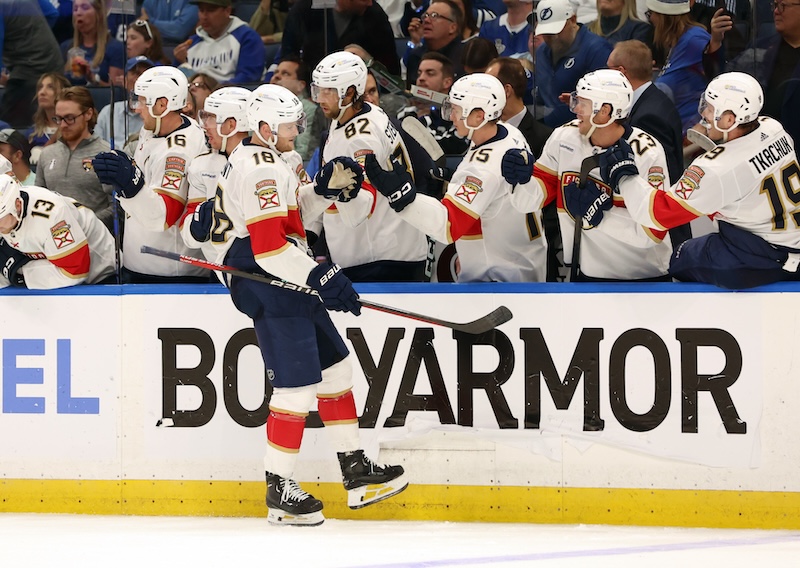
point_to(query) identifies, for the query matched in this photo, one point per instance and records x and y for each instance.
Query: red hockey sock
(285, 431)
(338, 410)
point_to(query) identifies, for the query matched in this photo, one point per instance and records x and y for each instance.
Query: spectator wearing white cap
(679, 43)
(127, 122)
(569, 51)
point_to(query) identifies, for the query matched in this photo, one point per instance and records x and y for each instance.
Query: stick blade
(487, 323)
(700, 139)
(423, 136)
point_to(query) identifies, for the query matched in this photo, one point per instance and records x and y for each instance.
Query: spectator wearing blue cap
(126, 121)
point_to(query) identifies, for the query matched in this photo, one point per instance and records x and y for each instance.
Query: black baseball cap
(17, 141)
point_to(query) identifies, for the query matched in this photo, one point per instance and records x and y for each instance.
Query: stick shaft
(481, 325)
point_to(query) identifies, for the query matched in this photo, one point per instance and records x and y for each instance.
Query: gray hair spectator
(441, 26)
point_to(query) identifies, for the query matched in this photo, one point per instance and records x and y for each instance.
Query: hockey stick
(696, 137)
(481, 325)
(424, 137)
(587, 165)
(428, 95)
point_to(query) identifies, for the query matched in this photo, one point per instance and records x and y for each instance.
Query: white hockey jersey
(751, 182)
(495, 242)
(368, 230)
(257, 197)
(202, 178)
(618, 248)
(69, 245)
(154, 214)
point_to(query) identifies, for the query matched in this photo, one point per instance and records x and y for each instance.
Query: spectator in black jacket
(775, 62)
(352, 21)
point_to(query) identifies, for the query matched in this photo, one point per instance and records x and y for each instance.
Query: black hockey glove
(339, 179)
(11, 261)
(588, 203)
(202, 219)
(396, 185)
(442, 173)
(617, 162)
(334, 288)
(517, 166)
(118, 169)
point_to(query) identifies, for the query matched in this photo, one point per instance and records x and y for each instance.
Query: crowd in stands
(69, 70)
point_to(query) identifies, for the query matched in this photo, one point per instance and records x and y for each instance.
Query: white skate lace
(292, 491)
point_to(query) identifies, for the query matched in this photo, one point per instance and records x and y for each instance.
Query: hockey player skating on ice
(153, 188)
(50, 241)
(256, 211)
(748, 183)
(495, 242)
(620, 248)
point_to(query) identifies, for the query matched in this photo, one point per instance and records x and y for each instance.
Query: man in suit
(512, 75)
(652, 111)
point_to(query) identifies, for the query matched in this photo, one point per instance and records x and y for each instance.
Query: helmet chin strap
(595, 126)
(471, 129)
(158, 118)
(224, 138)
(342, 109)
(271, 142)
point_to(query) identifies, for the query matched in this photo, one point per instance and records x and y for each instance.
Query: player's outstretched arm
(423, 212)
(396, 185)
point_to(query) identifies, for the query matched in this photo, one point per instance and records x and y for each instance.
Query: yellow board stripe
(458, 503)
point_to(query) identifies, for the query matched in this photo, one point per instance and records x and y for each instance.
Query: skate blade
(278, 517)
(369, 494)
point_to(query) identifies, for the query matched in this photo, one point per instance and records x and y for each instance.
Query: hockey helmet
(225, 103)
(9, 193)
(163, 81)
(339, 71)
(735, 92)
(477, 91)
(604, 86)
(274, 105)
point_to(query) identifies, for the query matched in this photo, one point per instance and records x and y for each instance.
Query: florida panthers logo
(62, 234)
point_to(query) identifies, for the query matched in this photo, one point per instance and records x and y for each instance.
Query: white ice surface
(85, 541)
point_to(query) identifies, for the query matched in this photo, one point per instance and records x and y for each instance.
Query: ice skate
(289, 505)
(368, 482)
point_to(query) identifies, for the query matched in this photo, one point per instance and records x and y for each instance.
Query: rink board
(656, 404)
